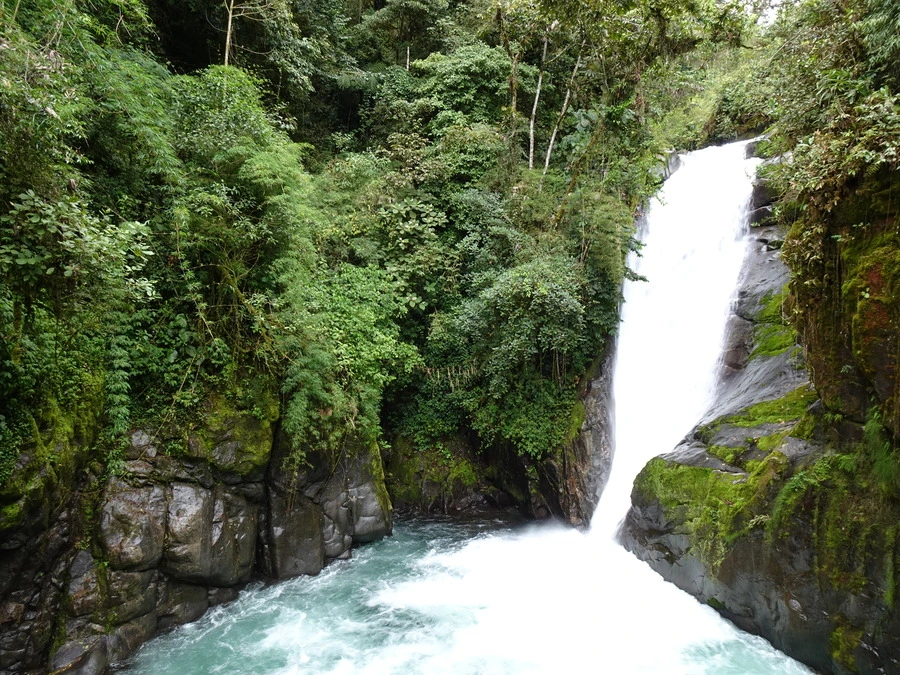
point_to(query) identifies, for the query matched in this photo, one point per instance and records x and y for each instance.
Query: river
(492, 597)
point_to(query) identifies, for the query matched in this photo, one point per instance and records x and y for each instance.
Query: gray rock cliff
(173, 534)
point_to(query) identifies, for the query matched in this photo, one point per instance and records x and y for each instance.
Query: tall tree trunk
(562, 112)
(537, 96)
(513, 81)
(229, 6)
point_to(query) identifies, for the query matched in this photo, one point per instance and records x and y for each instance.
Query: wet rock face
(132, 526)
(294, 536)
(847, 263)
(173, 536)
(311, 518)
(767, 511)
(572, 481)
(814, 582)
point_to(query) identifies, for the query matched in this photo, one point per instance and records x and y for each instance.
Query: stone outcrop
(572, 479)
(174, 534)
(774, 510)
(847, 264)
(461, 477)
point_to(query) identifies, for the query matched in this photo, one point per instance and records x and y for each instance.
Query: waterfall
(672, 325)
(452, 598)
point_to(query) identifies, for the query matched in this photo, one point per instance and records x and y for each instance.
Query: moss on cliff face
(820, 526)
(789, 408)
(846, 268)
(235, 438)
(57, 446)
(376, 470)
(774, 334)
(434, 477)
(712, 507)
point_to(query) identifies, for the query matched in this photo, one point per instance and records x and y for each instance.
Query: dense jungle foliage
(409, 216)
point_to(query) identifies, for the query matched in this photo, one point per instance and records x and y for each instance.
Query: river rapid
(494, 597)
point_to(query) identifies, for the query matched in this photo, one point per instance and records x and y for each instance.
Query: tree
(252, 10)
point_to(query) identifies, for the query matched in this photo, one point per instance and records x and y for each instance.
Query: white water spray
(547, 599)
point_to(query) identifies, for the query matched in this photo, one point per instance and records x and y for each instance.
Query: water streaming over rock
(443, 597)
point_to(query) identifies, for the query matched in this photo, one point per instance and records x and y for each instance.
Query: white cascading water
(546, 599)
(672, 327)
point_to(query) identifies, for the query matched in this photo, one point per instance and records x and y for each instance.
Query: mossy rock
(51, 456)
(773, 334)
(846, 269)
(233, 439)
(712, 507)
(433, 477)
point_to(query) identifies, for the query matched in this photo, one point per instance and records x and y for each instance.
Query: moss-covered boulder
(236, 440)
(793, 538)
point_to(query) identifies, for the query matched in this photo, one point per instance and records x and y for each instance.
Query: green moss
(376, 469)
(850, 523)
(806, 427)
(233, 438)
(771, 442)
(773, 334)
(713, 507)
(726, 453)
(845, 640)
(576, 420)
(437, 473)
(788, 408)
(12, 515)
(890, 555)
(55, 442)
(772, 340)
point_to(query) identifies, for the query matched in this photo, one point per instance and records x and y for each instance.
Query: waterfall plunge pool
(452, 597)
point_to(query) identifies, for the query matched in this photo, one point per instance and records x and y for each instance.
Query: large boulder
(211, 535)
(180, 603)
(82, 586)
(132, 525)
(189, 532)
(234, 530)
(132, 594)
(294, 542)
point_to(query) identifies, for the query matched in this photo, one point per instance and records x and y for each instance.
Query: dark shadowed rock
(294, 536)
(176, 534)
(141, 445)
(761, 216)
(234, 531)
(125, 640)
(180, 603)
(132, 594)
(337, 526)
(84, 595)
(220, 596)
(81, 657)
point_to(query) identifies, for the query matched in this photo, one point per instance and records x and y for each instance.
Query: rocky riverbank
(98, 566)
(778, 509)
